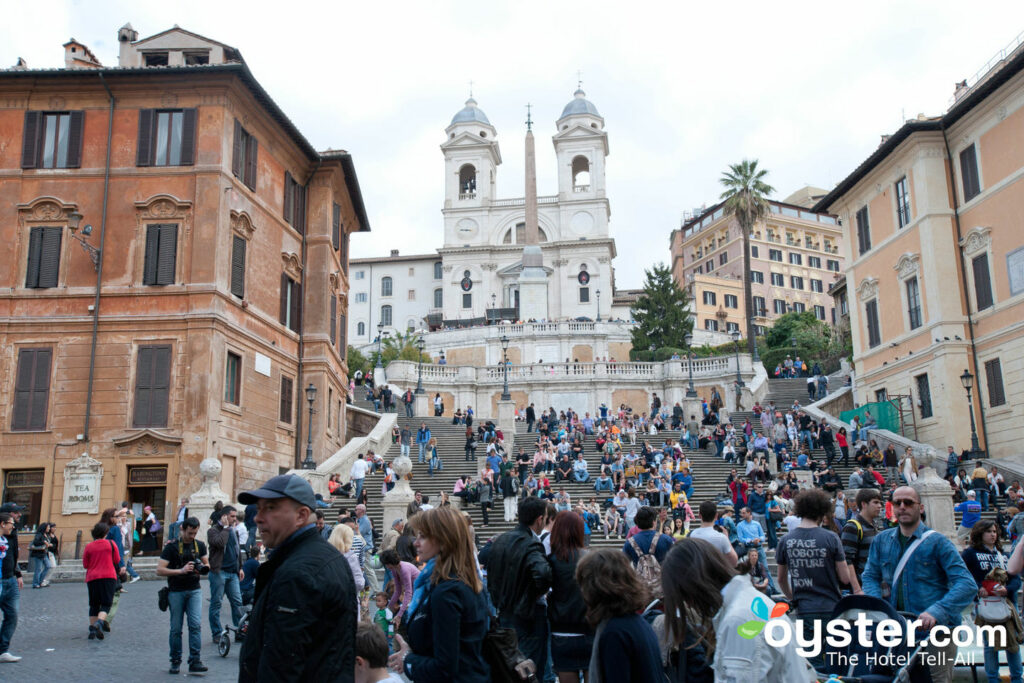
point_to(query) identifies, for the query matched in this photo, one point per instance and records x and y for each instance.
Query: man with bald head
(919, 570)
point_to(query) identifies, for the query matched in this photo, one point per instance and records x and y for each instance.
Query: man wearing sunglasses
(918, 570)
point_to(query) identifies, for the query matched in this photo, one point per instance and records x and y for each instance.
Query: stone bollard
(397, 499)
(937, 500)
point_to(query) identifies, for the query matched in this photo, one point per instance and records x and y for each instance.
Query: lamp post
(494, 305)
(505, 395)
(967, 379)
(736, 341)
(753, 327)
(690, 391)
(74, 220)
(420, 344)
(380, 336)
(308, 463)
(599, 305)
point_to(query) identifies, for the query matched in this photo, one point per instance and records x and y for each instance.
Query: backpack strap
(654, 542)
(906, 556)
(636, 548)
(860, 529)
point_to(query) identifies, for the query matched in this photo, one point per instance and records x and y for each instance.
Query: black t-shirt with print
(178, 554)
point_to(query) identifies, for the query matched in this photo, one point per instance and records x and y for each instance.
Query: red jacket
(739, 491)
(99, 560)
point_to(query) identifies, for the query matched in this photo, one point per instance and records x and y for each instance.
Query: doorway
(147, 486)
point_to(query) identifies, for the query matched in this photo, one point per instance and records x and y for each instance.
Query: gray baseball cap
(282, 486)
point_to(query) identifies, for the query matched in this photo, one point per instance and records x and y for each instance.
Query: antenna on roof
(529, 121)
(579, 80)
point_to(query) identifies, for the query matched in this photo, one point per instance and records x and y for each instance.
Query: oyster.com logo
(751, 629)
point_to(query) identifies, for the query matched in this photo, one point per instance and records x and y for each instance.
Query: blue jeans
(182, 603)
(581, 476)
(10, 598)
(40, 568)
(992, 665)
(805, 436)
(359, 487)
(422, 447)
(221, 583)
(404, 449)
(982, 498)
(434, 464)
(408, 410)
(130, 569)
(605, 486)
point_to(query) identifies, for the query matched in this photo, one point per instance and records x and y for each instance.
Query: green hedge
(777, 356)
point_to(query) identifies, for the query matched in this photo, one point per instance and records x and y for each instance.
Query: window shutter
(289, 198)
(238, 266)
(336, 227)
(299, 209)
(334, 319)
(296, 312)
(982, 282)
(35, 248)
(168, 248)
(152, 386)
(77, 121)
(344, 252)
(152, 253)
(32, 389)
(236, 152)
(144, 148)
(342, 336)
(30, 140)
(285, 285)
(188, 137)
(994, 380)
(49, 257)
(143, 386)
(250, 163)
(285, 411)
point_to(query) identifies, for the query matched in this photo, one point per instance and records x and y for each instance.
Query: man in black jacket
(518, 577)
(531, 417)
(304, 592)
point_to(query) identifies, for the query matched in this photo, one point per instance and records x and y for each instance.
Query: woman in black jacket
(37, 553)
(572, 639)
(447, 615)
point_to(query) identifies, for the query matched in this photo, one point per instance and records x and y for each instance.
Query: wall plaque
(1015, 270)
(82, 478)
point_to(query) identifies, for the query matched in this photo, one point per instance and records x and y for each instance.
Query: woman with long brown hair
(572, 639)
(625, 648)
(707, 602)
(447, 615)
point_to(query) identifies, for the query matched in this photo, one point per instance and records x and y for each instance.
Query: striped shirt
(857, 542)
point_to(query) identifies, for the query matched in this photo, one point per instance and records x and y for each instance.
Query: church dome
(579, 105)
(470, 114)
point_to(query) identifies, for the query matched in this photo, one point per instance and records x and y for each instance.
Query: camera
(197, 566)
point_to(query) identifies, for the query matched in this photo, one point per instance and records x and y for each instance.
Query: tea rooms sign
(82, 478)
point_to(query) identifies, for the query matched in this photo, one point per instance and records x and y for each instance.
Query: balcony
(467, 195)
(581, 188)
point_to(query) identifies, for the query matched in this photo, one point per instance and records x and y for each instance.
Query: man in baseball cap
(304, 590)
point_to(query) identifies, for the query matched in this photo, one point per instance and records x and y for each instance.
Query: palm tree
(746, 198)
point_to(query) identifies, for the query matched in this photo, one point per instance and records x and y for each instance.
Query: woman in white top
(908, 465)
(341, 538)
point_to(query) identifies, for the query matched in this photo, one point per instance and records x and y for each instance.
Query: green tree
(808, 331)
(399, 346)
(662, 312)
(746, 198)
(357, 361)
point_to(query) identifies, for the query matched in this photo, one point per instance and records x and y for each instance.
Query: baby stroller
(224, 642)
(874, 662)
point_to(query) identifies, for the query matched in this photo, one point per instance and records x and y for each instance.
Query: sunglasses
(904, 502)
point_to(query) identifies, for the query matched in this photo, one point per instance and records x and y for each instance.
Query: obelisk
(533, 280)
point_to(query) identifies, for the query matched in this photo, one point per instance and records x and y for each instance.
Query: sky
(806, 88)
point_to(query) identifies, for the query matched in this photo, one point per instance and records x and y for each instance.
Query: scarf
(419, 589)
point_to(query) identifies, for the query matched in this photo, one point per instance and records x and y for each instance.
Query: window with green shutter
(238, 266)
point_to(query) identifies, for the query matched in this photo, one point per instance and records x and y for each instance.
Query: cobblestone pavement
(52, 638)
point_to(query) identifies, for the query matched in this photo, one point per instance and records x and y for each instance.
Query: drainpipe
(99, 262)
(966, 291)
(300, 379)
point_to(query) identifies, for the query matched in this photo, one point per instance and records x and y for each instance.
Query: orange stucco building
(176, 277)
(935, 273)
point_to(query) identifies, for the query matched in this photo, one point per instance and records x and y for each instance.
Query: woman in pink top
(404, 575)
(100, 560)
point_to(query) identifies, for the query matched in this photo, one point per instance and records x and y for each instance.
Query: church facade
(481, 257)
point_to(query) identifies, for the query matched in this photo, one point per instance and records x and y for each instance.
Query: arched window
(385, 287)
(385, 315)
(360, 329)
(580, 174)
(467, 182)
(438, 298)
(410, 326)
(438, 270)
(520, 235)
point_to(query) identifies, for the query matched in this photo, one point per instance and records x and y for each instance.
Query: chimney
(960, 90)
(885, 139)
(394, 252)
(126, 35)
(78, 56)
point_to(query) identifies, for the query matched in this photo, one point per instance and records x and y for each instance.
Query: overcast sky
(684, 90)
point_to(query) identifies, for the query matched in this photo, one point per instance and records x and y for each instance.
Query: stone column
(424, 406)
(507, 422)
(200, 503)
(397, 499)
(937, 502)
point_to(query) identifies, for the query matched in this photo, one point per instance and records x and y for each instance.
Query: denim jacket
(934, 580)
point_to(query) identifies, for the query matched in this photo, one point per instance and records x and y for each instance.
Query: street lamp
(967, 379)
(736, 340)
(74, 220)
(308, 463)
(505, 395)
(753, 327)
(690, 391)
(380, 335)
(599, 305)
(420, 344)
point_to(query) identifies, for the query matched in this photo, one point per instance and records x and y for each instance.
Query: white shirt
(792, 522)
(715, 538)
(358, 469)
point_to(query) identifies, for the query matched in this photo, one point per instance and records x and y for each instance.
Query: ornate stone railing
(378, 441)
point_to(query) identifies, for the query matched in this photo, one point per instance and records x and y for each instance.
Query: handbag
(163, 600)
(994, 610)
(776, 515)
(501, 651)
(156, 527)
